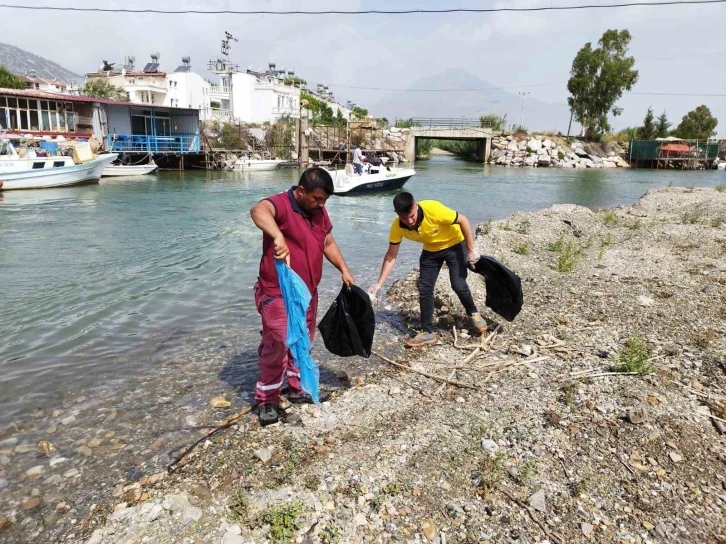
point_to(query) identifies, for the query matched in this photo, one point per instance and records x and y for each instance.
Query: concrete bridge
(450, 129)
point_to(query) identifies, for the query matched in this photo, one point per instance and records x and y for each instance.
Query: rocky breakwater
(513, 150)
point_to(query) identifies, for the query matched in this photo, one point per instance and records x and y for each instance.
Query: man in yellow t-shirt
(447, 237)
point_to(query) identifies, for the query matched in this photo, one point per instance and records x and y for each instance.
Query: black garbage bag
(504, 288)
(347, 327)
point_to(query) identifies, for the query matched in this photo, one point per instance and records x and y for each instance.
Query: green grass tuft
(522, 249)
(634, 357)
(283, 520)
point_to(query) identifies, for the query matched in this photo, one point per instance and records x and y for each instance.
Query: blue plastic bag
(296, 297)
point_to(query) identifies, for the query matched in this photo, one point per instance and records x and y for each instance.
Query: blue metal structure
(175, 143)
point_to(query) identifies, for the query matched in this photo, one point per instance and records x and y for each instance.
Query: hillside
(21, 62)
(538, 115)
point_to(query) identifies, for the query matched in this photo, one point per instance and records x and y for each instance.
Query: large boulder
(534, 144)
(547, 144)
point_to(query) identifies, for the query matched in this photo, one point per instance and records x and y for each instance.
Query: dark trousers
(455, 258)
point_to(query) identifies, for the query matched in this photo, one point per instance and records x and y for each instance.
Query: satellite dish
(155, 57)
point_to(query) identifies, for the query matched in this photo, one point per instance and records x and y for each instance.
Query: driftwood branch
(440, 379)
(225, 424)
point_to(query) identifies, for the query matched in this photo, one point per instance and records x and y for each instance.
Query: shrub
(634, 357)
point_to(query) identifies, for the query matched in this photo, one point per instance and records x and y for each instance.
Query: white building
(35, 83)
(147, 86)
(188, 90)
(255, 97)
(180, 89)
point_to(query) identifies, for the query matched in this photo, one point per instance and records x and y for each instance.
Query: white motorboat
(246, 164)
(10, 161)
(721, 166)
(374, 179)
(129, 169)
(59, 176)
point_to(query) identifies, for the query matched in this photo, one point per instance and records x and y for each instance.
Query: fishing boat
(116, 170)
(33, 171)
(374, 179)
(247, 164)
(62, 176)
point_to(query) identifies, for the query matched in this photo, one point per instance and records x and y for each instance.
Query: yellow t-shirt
(437, 231)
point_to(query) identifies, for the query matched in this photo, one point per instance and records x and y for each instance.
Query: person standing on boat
(296, 228)
(447, 237)
(358, 159)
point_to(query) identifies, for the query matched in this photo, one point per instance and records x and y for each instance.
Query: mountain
(539, 116)
(20, 62)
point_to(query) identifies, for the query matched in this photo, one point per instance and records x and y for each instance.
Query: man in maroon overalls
(296, 229)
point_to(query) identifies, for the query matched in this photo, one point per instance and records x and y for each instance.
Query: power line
(363, 12)
(482, 89)
(460, 90)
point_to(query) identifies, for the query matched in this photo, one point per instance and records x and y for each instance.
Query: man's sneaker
(479, 322)
(304, 398)
(268, 414)
(421, 340)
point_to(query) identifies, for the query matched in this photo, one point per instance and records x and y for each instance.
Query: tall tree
(662, 126)
(8, 80)
(648, 130)
(599, 78)
(100, 88)
(697, 124)
(359, 113)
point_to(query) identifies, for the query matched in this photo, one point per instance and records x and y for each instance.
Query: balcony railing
(221, 115)
(175, 143)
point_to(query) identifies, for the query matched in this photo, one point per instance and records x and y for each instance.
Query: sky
(677, 49)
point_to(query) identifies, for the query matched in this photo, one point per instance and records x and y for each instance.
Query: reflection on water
(95, 276)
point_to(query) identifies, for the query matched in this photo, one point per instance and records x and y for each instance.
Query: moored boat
(246, 164)
(61, 176)
(117, 170)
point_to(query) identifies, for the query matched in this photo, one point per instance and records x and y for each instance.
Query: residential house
(255, 96)
(146, 86)
(33, 82)
(188, 89)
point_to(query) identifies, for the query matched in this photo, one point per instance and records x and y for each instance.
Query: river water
(106, 288)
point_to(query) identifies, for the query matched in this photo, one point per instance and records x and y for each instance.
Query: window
(58, 164)
(34, 120)
(38, 165)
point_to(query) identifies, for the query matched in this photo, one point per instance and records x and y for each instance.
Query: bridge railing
(448, 122)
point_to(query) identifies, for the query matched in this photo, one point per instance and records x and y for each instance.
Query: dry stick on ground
(469, 357)
(698, 393)
(426, 374)
(453, 372)
(704, 414)
(220, 426)
(626, 465)
(474, 346)
(553, 537)
(601, 374)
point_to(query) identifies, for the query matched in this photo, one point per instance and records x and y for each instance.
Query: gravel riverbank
(541, 440)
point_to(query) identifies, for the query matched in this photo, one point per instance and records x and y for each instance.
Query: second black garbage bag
(349, 324)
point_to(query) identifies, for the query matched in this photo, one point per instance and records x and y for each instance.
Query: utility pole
(494, 105)
(521, 118)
